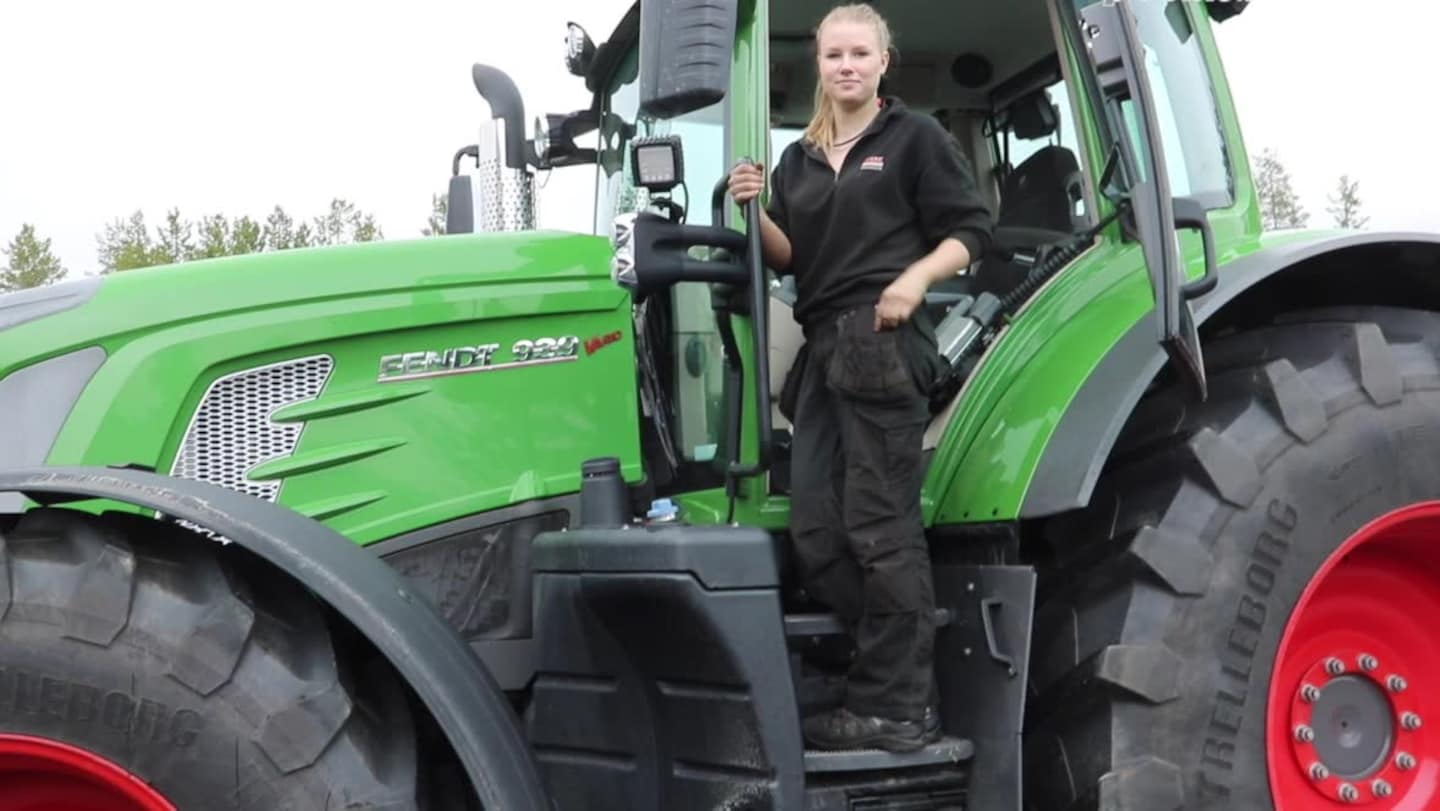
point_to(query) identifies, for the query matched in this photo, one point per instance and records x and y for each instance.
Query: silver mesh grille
(505, 196)
(231, 431)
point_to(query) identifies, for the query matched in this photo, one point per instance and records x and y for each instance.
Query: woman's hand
(747, 180)
(899, 301)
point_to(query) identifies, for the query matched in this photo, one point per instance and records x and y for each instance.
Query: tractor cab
(1006, 80)
(1050, 103)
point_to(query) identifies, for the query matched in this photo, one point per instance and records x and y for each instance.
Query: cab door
(1139, 180)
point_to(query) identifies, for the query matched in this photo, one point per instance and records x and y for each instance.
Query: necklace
(848, 140)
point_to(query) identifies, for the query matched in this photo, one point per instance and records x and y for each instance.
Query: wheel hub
(1350, 693)
(44, 775)
(1351, 720)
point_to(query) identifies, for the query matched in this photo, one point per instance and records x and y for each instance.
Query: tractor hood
(382, 387)
(125, 306)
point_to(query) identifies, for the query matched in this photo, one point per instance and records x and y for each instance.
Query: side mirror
(686, 47)
(1222, 10)
(579, 50)
(460, 211)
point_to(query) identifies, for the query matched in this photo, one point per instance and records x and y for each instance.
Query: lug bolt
(1310, 693)
(1334, 666)
(1405, 761)
(1380, 788)
(1348, 793)
(1397, 684)
(1368, 662)
(1304, 734)
(1318, 771)
(1410, 721)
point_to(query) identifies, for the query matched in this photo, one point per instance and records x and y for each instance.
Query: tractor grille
(231, 431)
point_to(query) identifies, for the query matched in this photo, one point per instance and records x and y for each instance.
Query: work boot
(842, 729)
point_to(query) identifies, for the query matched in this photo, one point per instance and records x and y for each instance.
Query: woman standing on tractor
(873, 205)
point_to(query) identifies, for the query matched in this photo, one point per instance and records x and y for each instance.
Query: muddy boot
(842, 729)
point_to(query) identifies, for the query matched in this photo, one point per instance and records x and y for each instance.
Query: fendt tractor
(498, 519)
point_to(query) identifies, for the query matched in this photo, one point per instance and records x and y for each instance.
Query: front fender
(1071, 462)
(459, 692)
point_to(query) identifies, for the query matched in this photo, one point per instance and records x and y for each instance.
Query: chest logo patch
(874, 163)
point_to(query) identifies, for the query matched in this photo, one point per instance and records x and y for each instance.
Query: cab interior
(991, 74)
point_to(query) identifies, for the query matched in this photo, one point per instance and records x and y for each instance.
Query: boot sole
(889, 743)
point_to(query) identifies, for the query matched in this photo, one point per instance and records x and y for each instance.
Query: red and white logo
(874, 163)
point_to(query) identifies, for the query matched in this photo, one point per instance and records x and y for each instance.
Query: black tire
(194, 667)
(1160, 618)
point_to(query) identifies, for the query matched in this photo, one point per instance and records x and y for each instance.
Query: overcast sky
(108, 107)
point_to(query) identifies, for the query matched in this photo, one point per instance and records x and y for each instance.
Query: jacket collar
(891, 108)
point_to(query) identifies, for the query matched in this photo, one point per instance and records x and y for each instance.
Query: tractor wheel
(1245, 616)
(141, 670)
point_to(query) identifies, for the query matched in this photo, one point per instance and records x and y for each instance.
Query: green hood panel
(374, 458)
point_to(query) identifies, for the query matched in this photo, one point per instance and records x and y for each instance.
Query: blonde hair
(821, 130)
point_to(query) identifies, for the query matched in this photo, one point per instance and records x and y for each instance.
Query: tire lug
(1304, 734)
(1380, 789)
(1309, 693)
(1368, 662)
(1334, 666)
(1318, 771)
(1410, 721)
(1405, 761)
(1349, 793)
(1397, 684)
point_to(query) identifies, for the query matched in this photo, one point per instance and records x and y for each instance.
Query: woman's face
(851, 62)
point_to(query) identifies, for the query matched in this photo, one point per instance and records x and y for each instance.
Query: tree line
(130, 243)
(1280, 205)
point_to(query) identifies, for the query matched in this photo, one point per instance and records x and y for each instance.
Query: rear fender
(1380, 268)
(405, 628)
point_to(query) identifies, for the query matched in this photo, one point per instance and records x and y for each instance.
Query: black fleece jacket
(904, 187)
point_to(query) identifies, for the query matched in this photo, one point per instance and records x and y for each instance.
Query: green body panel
(374, 459)
(1019, 392)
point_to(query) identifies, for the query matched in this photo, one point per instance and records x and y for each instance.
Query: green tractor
(498, 520)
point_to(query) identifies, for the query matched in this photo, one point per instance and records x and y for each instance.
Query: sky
(222, 107)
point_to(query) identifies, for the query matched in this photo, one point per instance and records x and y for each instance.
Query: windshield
(691, 364)
(702, 134)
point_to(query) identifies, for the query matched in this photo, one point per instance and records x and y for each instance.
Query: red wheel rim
(1353, 698)
(44, 775)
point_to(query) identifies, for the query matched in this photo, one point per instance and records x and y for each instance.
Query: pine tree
(29, 262)
(174, 240)
(1279, 205)
(439, 213)
(280, 231)
(363, 228)
(214, 237)
(1345, 204)
(246, 236)
(126, 245)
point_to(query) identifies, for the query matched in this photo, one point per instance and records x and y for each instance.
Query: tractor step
(946, 751)
(822, 624)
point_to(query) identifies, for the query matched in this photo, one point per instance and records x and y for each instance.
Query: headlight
(622, 265)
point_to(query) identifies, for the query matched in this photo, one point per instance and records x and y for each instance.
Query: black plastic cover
(460, 206)
(685, 53)
(663, 256)
(719, 557)
(654, 688)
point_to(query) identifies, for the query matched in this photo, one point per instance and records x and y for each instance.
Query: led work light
(656, 162)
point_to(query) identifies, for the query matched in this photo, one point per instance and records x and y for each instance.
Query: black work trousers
(860, 411)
